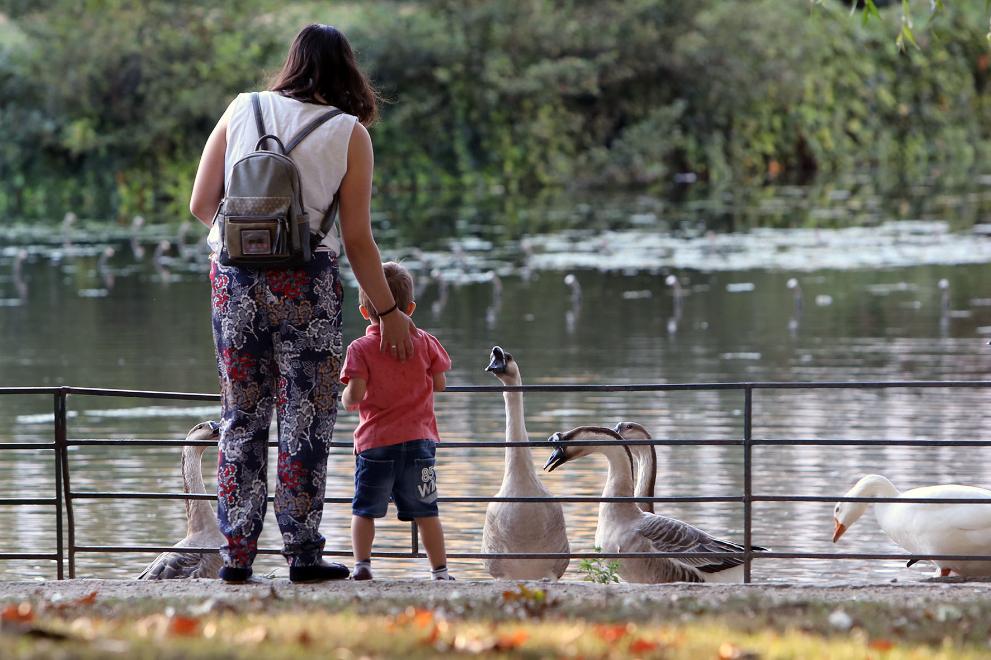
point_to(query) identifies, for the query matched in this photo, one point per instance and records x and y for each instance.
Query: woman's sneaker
(235, 574)
(321, 572)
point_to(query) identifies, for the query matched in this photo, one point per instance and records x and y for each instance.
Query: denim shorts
(403, 473)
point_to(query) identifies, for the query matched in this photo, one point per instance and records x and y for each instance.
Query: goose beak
(838, 530)
(560, 455)
(497, 361)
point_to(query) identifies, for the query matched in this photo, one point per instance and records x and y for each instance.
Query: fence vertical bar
(61, 439)
(748, 405)
(414, 537)
(59, 412)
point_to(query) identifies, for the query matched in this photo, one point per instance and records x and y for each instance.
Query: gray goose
(201, 520)
(624, 527)
(521, 526)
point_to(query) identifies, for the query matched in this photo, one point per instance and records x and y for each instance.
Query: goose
(521, 526)
(137, 249)
(576, 289)
(646, 461)
(18, 274)
(103, 267)
(571, 315)
(201, 521)
(796, 315)
(438, 305)
(162, 261)
(624, 527)
(673, 282)
(926, 529)
(492, 312)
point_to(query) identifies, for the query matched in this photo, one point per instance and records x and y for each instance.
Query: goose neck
(518, 459)
(199, 513)
(875, 486)
(619, 480)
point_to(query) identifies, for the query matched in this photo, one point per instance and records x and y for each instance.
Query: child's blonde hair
(400, 284)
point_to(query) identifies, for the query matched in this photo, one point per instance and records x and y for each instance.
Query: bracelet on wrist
(394, 307)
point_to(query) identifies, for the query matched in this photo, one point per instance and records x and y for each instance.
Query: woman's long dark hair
(321, 64)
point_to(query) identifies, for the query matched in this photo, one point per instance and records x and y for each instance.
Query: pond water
(880, 300)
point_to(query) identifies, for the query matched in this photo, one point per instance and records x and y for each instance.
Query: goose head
(564, 452)
(503, 366)
(632, 431)
(209, 430)
(847, 513)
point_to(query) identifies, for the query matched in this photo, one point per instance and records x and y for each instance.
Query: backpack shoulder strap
(259, 122)
(329, 217)
(309, 128)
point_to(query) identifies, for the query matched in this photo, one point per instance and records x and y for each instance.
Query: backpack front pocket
(253, 236)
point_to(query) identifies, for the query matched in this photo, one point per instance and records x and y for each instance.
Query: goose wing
(672, 535)
(176, 566)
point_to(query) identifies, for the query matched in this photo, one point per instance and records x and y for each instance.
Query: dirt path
(585, 600)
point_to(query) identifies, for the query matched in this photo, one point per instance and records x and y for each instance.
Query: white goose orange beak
(838, 530)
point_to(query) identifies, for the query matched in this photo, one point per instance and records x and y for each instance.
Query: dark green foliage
(105, 104)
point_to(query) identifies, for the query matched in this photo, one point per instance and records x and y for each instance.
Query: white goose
(623, 527)
(521, 526)
(201, 521)
(926, 529)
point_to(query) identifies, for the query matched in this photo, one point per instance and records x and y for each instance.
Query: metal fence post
(748, 405)
(59, 410)
(61, 440)
(414, 537)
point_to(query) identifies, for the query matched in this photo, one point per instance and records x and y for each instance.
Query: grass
(417, 633)
(525, 623)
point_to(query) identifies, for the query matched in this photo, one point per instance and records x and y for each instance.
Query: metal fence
(64, 496)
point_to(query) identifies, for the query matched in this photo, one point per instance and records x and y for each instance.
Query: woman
(278, 333)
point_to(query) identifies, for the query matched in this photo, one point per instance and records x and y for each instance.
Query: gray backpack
(263, 224)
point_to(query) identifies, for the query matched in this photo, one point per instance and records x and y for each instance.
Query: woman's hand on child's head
(396, 329)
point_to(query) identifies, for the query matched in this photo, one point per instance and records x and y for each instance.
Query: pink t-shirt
(399, 399)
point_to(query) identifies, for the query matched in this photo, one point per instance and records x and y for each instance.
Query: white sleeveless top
(322, 158)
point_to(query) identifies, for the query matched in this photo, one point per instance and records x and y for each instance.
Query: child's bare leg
(432, 535)
(362, 536)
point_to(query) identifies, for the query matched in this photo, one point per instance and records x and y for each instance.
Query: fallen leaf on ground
(423, 618)
(641, 645)
(611, 633)
(184, 626)
(432, 638)
(882, 644)
(509, 641)
(20, 613)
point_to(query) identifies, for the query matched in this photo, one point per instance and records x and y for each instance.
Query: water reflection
(883, 323)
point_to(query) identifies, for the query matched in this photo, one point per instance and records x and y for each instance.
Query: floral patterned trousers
(279, 345)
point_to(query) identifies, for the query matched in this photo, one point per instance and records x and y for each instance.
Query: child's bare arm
(354, 393)
(440, 382)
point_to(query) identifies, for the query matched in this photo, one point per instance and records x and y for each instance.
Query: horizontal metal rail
(747, 442)
(19, 446)
(110, 549)
(133, 495)
(27, 501)
(111, 442)
(30, 555)
(575, 499)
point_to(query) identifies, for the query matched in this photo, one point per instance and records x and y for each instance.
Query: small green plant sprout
(599, 570)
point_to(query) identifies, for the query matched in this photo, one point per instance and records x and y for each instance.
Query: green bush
(106, 105)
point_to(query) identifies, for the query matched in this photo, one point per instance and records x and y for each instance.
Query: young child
(396, 438)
